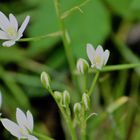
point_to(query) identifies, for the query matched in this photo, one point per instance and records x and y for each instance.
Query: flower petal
(4, 22)
(3, 35)
(21, 118)
(106, 56)
(30, 137)
(30, 121)
(12, 127)
(99, 66)
(8, 43)
(99, 50)
(23, 26)
(90, 52)
(13, 21)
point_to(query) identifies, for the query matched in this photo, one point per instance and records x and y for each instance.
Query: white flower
(98, 57)
(24, 126)
(9, 29)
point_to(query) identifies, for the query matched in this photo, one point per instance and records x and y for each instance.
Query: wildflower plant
(77, 114)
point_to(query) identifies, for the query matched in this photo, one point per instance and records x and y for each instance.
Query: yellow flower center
(11, 32)
(98, 59)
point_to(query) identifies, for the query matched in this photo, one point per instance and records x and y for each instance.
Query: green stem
(93, 83)
(83, 131)
(85, 82)
(55, 34)
(67, 118)
(65, 38)
(113, 68)
(41, 136)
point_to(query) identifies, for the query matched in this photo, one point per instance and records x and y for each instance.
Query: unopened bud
(58, 96)
(82, 66)
(77, 109)
(45, 79)
(86, 101)
(66, 98)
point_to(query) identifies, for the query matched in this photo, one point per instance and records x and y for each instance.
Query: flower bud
(86, 101)
(58, 96)
(45, 79)
(77, 109)
(66, 98)
(82, 66)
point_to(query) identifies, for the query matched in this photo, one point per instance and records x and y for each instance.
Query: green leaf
(83, 28)
(121, 7)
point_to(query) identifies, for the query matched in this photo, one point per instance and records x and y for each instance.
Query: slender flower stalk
(9, 29)
(93, 83)
(23, 129)
(65, 39)
(98, 57)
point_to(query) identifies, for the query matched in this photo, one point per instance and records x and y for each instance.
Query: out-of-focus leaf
(44, 21)
(83, 28)
(92, 26)
(136, 4)
(118, 103)
(122, 7)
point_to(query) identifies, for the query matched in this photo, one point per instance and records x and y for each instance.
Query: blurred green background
(115, 24)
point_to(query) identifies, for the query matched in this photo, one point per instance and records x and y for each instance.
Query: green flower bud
(45, 79)
(66, 98)
(77, 109)
(58, 96)
(82, 66)
(86, 101)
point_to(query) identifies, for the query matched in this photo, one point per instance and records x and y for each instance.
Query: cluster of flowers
(98, 58)
(23, 129)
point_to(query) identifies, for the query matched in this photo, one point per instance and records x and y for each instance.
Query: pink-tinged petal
(8, 43)
(13, 21)
(23, 26)
(106, 56)
(90, 52)
(21, 118)
(12, 127)
(3, 35)
(4, 22)
(30, 122)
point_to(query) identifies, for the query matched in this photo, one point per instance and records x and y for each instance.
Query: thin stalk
(41, 136)
(83, 131)
(65, 38)
(93, 83)
(67, 118)
(55, 34)
(113, 68)
(85, 82)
